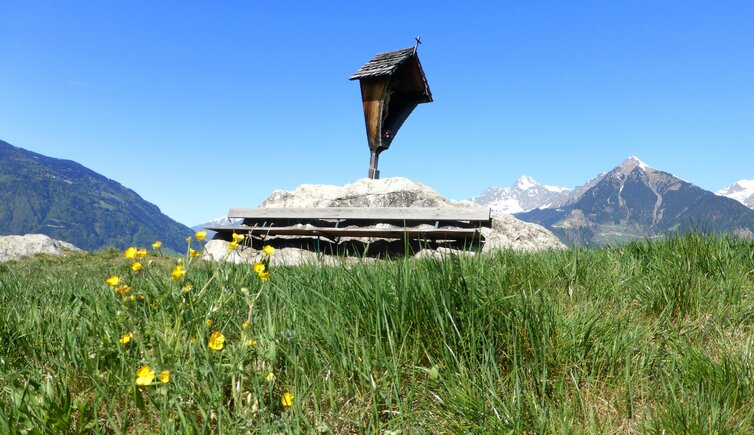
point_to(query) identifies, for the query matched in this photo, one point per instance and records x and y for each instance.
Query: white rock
(507, 232)
(15, 247)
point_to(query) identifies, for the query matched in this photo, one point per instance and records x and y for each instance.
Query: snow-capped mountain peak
(631, 163)
(742, 191)
(637, 162)
(524, 182)
(524, 195)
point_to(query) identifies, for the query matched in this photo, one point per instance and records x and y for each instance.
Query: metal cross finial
(418, 41)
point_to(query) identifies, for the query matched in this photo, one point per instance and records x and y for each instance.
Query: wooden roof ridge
(384, 63)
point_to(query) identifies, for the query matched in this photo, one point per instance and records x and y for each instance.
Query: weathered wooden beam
(366, 213)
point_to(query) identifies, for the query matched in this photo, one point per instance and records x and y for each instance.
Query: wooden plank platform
(334, 233)
(431, 223)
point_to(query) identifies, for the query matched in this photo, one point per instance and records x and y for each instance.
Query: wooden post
(374, 173)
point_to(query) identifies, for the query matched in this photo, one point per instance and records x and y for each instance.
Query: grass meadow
(646, 337)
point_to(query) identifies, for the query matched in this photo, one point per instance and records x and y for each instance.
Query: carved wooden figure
(392, 85)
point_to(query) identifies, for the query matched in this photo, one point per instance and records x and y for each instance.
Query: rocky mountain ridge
(634, 200)
(527, 194)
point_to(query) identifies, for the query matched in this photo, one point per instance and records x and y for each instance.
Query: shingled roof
(383, 64)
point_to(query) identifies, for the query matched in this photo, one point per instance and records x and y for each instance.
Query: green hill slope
(69, 202)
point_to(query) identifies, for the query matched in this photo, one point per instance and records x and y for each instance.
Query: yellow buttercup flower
(141, 253)
(269, 250)
(258, 267)
(165, 376)
(136, 266)
(238, 238)
(216, 341)
(126, 338)
(122, 289)
(232, 246)
(287, 399)
(132, 297)
(264, 276)
(246, 325)
(209, 322)
(144, 376)
(130, 253)
(251, 342)
(194, 252)
(114, 280)
(187, 288)
(200, 235)
(178, 272)
(156, 245)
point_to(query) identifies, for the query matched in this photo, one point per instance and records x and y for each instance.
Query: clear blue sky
(203, 106)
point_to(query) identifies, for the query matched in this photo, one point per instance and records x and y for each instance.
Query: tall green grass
(646, 337)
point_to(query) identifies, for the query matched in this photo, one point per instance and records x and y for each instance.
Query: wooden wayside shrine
(392, 85)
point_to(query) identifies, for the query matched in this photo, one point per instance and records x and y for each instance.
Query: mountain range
(69, 202)
(631, 201)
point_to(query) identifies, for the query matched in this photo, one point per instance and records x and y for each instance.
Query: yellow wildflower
(122, 289)
(165, 376)
(264, 276)
(132, 297)
(258, 267)
(144, 376)
(136, 266)
(216, 341)
(232, 246)
(156, 245)
(187, 288)
(126, 338)
(238, 238)
(269, 250)
(287, 399)
(200, 235)
(209, 322)
(178, 272)
(130, 253)
(194, 252)
(270, 377)
(251, 342)
(141, 253)
(114, 280)
(246, 325)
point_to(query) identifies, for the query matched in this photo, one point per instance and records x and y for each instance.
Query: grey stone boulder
(15, 247)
